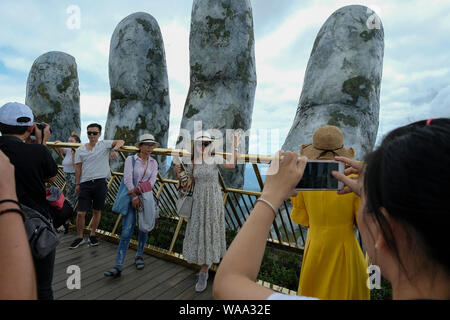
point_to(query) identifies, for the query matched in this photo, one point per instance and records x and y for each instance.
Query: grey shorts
(92, 194)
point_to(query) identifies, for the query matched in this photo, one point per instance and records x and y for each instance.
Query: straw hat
(147, 138)
(326, 140)
(203, 136)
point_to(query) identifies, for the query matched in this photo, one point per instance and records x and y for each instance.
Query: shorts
(92, 194)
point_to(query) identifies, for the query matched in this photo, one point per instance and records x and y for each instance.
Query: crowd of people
(395, 198)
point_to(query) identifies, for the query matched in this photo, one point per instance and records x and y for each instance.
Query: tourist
(333, 265)
(139, 168)
(68, 164)
(204, 241)
(403, 216)
(34, 166)
(91, 171)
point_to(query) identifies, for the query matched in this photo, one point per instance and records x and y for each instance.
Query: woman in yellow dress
(333, 264)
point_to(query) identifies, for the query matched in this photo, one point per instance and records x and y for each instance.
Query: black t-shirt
(33, 165)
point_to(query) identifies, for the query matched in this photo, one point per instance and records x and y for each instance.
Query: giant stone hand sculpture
(342, 81)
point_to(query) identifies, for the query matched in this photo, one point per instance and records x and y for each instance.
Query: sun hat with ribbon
(203, 136)
(147, 138)
(328, 142)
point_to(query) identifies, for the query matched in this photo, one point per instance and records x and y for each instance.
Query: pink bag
(143, 187)
(55, 197)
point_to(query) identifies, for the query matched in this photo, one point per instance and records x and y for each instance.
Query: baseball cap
(16, 114)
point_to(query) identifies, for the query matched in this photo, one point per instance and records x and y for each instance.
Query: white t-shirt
(95, 163)
(67, 162)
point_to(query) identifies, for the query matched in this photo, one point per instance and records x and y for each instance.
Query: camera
(40, 126)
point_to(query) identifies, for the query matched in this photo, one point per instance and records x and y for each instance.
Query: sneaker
(202, 282)
(93, 241)
(76, 243)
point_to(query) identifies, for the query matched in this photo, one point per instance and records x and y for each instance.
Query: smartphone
(317, 176)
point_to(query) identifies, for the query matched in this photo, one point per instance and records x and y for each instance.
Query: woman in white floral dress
(204, 240)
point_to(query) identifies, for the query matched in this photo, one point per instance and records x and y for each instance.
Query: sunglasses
(204, 143)
(92, 133)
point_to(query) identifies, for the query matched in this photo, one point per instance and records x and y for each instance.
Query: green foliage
(385, 293)
(281, 268)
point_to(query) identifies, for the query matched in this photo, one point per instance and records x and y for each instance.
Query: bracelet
(10, 200)
(16, 210)
(269, 204)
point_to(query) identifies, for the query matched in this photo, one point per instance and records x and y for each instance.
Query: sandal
(114, 272)
(139, 263)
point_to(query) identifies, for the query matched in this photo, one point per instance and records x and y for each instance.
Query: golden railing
(284, 234)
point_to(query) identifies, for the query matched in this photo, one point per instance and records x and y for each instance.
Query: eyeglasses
(92, 133)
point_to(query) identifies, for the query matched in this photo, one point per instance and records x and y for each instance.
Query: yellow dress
(333, 264)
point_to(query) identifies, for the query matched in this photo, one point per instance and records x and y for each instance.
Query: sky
(416, 69)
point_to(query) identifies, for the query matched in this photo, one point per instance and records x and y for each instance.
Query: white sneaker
(202, 282)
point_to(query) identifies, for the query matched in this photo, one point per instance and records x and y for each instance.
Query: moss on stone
(191, 111)
(66, 81)
(357, 87)
(130, 135)
(243, 71)
(338, 118)
(116, 95)
(217, 27)
(368, 35)
(145, 24)
(229, 13)
(42, 90)
(238, 122)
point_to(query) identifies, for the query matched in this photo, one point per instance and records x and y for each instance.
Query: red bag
(55, 197)
(143, 187)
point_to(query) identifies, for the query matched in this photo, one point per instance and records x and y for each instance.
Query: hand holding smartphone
(317, 176)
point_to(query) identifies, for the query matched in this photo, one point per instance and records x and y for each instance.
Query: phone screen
(317, 175)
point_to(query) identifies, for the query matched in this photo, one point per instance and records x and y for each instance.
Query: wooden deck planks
(160, 279)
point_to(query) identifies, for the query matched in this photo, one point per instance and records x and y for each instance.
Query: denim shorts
(92, 194)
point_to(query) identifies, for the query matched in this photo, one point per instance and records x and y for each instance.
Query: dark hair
(76, 137)
(8, 129)
(95, 125)
(408, 175)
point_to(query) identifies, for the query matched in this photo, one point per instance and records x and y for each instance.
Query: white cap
(16, 114)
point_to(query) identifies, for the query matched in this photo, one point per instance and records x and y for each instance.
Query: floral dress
(204, 240)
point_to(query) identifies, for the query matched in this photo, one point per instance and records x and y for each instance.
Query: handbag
(55, 197)
(123, 199)
(147, 212)
(185, 200)
(144, 186)
(41, 233)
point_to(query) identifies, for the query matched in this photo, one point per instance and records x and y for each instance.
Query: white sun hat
(147, 138)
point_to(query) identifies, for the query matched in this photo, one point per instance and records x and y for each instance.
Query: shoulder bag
(41, 233)
(185, 200)
(122, 201)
